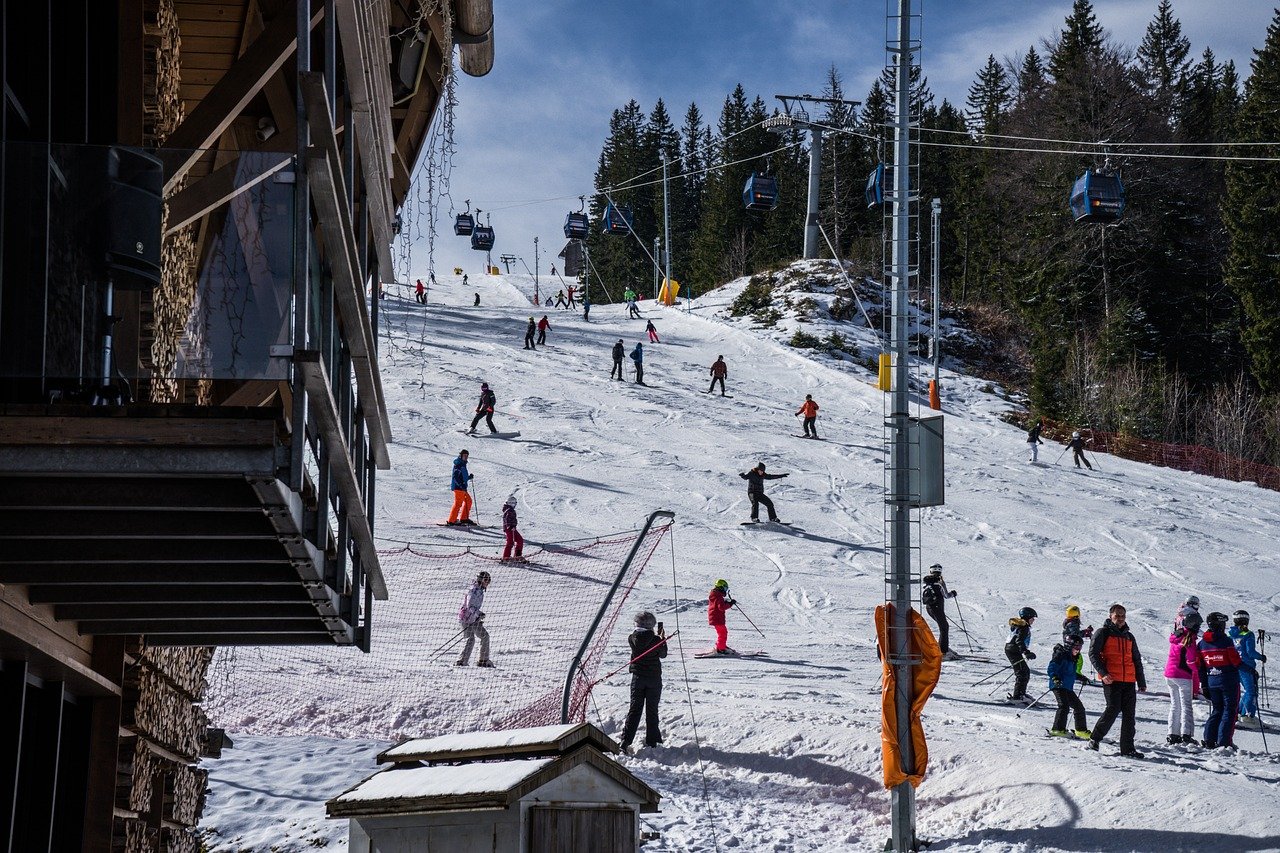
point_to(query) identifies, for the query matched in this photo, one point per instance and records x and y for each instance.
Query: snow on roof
(483, 740)
(492, 777)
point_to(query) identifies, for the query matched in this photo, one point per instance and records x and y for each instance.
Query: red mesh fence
(537, 616)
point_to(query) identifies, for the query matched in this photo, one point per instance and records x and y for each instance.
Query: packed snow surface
(782, 752)
(485, 777)
(500, 740)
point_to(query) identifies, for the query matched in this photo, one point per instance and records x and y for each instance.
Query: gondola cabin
(760, 192)
(482, 238)
(1098, 197)
(464, 224)
(576, 226)
(875, 186)
(617, 219)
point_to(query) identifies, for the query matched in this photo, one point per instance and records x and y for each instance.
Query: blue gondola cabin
(760, 192)
(617, 220)
(1098, 197)
(482, 238)
(464, 224)
(875, 186)
(576, 226)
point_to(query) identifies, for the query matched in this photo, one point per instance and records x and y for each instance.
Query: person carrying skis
(560, 303)
(637, 356)
(1220, 667)
(648, 648)
(529, 331)
(1062, 681)
(1182, 674)
(420, 293)
(1033, 439)
(471, 617)
(933, 596)
(1115, 657)
(1191, 605)
(810, 411)
(460, 483)
(653, 332)
(619, 350)
(719, 601)
(1017, 648)
(543, 325)
(484, 409)
(1247, 647)
(719, 371)
(755, 491)
(514, 539)
(570, 303)
(1076, 445)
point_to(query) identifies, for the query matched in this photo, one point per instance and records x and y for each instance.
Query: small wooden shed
(549, 789)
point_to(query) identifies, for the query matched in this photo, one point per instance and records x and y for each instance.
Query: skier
(718, 601)
(934, 596)
(1220, 667)
(464, 281)
(461, 480)
(553, 269)
(1115, 657)
(484, 409)
(637, 356)
(1033, 439)
(477, 302)
(529, 332)
(1062, 680)
(1071, 625)
(431, 279)
(648, 647)
(570, 303)
(560, 303)
(543, 325)
(1247, 647)
(755, 491)
(1017, 648)
(1191, 605)
(719, 371)
(1182, 674)
(653, 332)
(630, 298)
(618, 352)
(1076, 445)
(471, 617)
(586, 309)
(514, 539)
(810, 411)
(420, 293)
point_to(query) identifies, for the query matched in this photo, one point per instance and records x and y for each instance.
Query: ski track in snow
(790, 743)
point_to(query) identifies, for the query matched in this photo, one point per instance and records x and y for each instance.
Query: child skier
(514, 539)
(1191, 605)
(648, 647)
(933, 596)
(1247, 647)
(1017, 648)
(810, 411)
(653, 332)
(1076, 444)
(1070, 630)
(569, 303)
(484, 409)
(1182, 674)
(718, 601)
(1062, 680)
(1220, 667)
(1033, 439)
(459, 482)
(560, 303)
(471, 617)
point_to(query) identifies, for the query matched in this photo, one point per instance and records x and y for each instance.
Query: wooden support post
(104, 744)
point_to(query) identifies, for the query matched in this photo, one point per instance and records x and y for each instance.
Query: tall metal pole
(537, 298)
(657, 270)
(902, 798)
(935, 223)
(815, 172)
(301, 248)
(666, 225)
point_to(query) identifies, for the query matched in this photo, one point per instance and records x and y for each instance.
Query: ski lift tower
(794, 115)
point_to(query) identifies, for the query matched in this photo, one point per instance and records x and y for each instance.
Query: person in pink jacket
(1181, 673)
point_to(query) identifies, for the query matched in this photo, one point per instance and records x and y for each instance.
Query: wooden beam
(206, 432)
(79, 524)
(150, 574)
(157, 627)
(127, 494)
(52, 553)
(222, 185)
(244, 638)
(202, 591)
(186, 610)
(104, 740)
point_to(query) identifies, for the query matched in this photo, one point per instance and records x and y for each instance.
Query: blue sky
(533, 127)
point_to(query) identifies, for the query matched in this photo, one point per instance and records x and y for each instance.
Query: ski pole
(968, 638)
(447, 644)
(1062, 454)
(634, 659)
(475, 500)
(993, 675)
(748, 618)
(1038, 698)
(992, 691)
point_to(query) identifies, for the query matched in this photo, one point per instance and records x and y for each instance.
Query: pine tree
(619, 259)
(1078, 46)
(989, 98)
(1162, 57)
(1031, 78)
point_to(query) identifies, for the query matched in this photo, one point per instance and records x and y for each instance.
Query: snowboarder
(420, 293)
(810, 411)
(1191, 605)
(1076, 446)
(1220, 667)
(719, 371)
(1247, 647)
(755, 491)
(560, 303)
(648, 647)
(570, 303)
(1182, 674)
(1115, 657)
(529, 331)
(477, 302)
(934, 596)
(471, 617)
(464, 281)
(543, 325)
(460, 483)
(653, 332)
(718, 601)
(514, 539)
(1033, 439)
(586, 309)
(618, 352)
(1062, 680)
(637, 356)
(484, 409)
(1017, 648)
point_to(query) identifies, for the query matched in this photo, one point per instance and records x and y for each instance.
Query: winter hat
(511, 501)
(1075, 641)
(646, 620)
(759, 466)
(484, 384)
(722, 584)
(1072, 611)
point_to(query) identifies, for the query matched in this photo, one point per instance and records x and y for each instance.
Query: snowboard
(495, 434)
(733, 653)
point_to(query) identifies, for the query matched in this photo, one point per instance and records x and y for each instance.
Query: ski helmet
(1075, 641)
(1075, 434)
(1191, 623)
(484, 384)
(483, 577)
(936, 567)
(1193, 601)
(646, 620)
(1216, 621)
(1073, 612)
(722, 584)
(511, 501)
(1240, 618)
(1027, 613)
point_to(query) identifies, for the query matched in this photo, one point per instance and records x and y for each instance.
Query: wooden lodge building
(197, 199)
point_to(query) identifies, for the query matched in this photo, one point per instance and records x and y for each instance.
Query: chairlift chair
(760, 192)
(1098, 196)
(617, 219)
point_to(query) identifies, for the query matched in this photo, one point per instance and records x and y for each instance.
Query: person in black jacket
(647, 650)
(1033, 439)
(484, 409)
(529, 332)
(618, 352)
(1114, 655)
(755, 491)
(934, 596)
(1076, 444)
(1017, 648)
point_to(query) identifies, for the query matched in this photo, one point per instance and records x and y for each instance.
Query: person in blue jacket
(637, 356)
(1017, 648)
(1062, 680)
(1247, 647)
(1220, 667)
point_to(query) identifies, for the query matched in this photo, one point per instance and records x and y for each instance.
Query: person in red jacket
(420, 293)
(719, 371)
(810, 411)
(543, 325)
(718, 601)
(1114, 655)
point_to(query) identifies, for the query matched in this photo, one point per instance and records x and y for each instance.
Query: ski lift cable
(626, 184)
(1105, 144)
(840, 265)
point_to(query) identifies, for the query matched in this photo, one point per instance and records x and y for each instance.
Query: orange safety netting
(925, 679)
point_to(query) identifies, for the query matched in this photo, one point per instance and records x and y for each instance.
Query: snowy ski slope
(789, 743)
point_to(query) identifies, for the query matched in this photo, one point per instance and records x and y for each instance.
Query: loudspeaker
(122, 231)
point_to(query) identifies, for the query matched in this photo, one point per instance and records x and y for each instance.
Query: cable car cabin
(464, 224)
(482, 238)
(617, 220)
(875, 186)
(760, 192)
(576, 226)
(1098, 197)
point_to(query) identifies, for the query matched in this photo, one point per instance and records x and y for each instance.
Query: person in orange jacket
(810, 411)
(718, 601)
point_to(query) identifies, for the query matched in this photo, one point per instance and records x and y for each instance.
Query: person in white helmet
(1076, 444)
(514, 539)
(471, 617)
